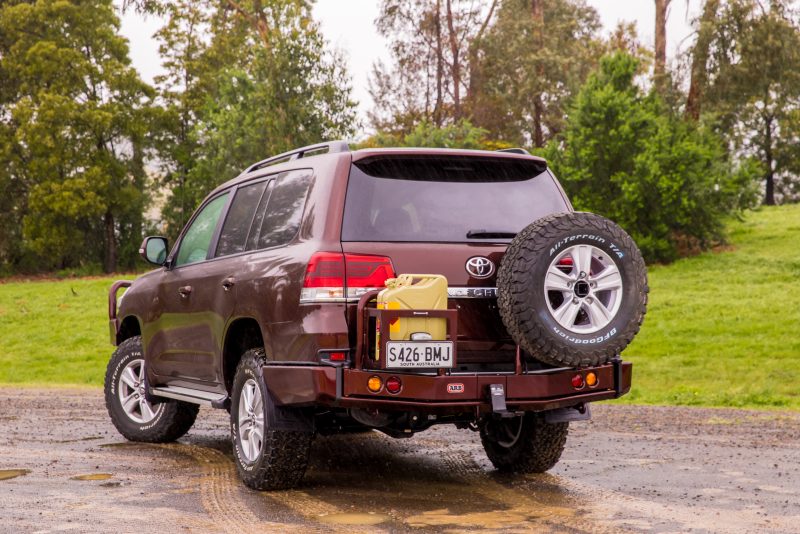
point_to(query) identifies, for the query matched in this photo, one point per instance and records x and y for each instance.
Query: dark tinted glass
(438, 199)
(284, 209)
(240, 216)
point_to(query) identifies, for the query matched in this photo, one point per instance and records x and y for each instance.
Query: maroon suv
(266, 307)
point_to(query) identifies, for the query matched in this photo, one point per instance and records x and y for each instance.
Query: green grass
(723, 328)
(54, 332)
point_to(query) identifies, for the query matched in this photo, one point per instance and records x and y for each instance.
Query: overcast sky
(349, 26)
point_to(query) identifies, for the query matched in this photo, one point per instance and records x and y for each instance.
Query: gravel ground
(63, 467)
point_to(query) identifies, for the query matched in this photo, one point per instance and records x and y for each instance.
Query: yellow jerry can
(416, 292)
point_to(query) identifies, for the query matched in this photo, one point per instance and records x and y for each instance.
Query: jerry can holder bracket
(383, 318)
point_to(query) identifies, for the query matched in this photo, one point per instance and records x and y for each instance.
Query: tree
(753, 85)
(527, 80)
(625, 155)
(659, 74)
(426, 134)
(700, 53)
(74, 118)
(244, 80)
(433, 53)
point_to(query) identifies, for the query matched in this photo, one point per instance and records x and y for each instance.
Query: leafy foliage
(669, 183)
(74, 118)
(262, 84)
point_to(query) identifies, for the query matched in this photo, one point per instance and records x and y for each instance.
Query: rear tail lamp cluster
(579, 381)
(392, 384)
(337, 277)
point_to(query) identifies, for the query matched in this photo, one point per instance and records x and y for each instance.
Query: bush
(625, 155)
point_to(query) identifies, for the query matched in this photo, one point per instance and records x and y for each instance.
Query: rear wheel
(525, 444)
(134, 416)
(267, 458)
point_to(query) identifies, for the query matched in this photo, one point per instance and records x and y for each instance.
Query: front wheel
(136, 418)
(267, 458)
(525, 444)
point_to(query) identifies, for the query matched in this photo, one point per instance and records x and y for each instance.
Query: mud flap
(567, 415)
(288, 419)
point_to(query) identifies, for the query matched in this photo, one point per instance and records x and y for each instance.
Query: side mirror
(154, 250)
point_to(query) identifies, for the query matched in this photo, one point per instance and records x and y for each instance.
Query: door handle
(228, 283)
(185, 290)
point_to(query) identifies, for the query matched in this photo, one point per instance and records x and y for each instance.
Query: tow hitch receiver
(497, 394)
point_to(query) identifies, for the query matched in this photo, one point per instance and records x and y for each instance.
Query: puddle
(354, 518)
(493, 520)
(93, 476)
(6, 474)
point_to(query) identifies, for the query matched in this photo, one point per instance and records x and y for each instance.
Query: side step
(195, 396)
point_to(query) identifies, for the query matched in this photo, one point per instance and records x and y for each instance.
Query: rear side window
(443, 199)
(284, 210)
(233, 236)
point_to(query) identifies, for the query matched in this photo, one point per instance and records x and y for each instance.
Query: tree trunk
(699, 75)
(437, 108)
(110, 263)
(456, 67)
(537, 12)
(475, 82)
(769, 196)
(659, 74)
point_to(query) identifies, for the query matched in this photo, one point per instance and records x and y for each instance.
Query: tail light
(337, 277)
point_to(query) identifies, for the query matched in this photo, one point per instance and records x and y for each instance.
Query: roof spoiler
(304, 152)
(515, 151)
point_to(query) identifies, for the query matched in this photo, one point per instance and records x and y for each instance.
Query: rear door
(450, 215)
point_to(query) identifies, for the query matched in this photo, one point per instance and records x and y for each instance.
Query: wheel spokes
(599, 315)
(609, 279)
(129, 378)
(557, 280)
(568, 312)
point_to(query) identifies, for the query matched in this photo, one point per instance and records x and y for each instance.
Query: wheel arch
(242, 334)
(128, 328)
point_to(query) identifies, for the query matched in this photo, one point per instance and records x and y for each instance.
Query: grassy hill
(723, 328)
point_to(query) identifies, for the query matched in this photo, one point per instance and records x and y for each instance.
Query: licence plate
(414, 354)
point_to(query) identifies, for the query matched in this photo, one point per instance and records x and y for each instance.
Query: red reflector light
(394, 385)
(338, 356)
(577, 381)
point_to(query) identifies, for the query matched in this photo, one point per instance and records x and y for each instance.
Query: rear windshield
(446, 199)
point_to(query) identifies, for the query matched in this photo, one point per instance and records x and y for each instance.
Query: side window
(240, 216)
(197, 239)
(284, 209)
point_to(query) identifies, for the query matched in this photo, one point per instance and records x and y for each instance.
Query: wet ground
(64, 468)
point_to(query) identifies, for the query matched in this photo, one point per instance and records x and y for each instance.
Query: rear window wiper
(482, 233)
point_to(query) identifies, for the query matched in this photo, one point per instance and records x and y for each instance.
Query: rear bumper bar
(314, 385)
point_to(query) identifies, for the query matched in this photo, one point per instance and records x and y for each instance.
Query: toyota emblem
(480, 267)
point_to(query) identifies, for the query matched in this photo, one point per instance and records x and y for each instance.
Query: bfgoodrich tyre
(266, 457)
(572, 289)
(524, 444)
(132, 414)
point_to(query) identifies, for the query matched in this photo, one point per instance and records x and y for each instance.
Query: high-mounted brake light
(337, 277)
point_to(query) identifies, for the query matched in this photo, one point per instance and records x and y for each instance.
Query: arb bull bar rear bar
(345, 384)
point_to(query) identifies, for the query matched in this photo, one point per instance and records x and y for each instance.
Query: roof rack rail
(304, 152)
(514, 151)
